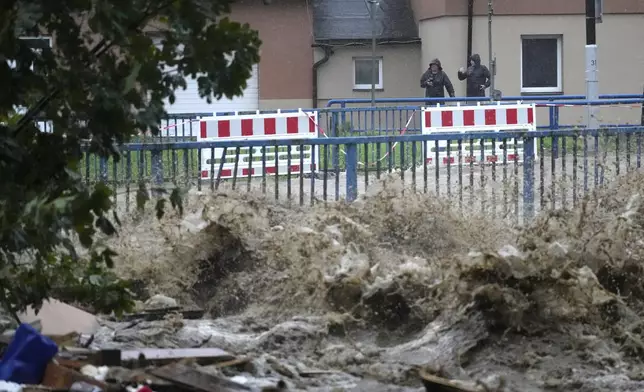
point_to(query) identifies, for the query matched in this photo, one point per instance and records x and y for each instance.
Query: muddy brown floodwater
(366, 294)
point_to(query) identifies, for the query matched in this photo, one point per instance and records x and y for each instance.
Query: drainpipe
(327, 55)
(490, 12)
(470, 22)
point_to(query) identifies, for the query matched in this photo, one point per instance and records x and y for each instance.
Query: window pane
(539, 62)
(36, 43)
(363, 71)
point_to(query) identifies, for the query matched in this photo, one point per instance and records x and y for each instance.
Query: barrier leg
(352, 171)
(528, 178)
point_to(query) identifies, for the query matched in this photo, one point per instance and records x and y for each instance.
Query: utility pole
(592, 85)
(374, 64)
(490, 11)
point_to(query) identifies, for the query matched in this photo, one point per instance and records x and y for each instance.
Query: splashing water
(398, 281)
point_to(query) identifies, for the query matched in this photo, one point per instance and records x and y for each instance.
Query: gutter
(328, 52)
(339, 43)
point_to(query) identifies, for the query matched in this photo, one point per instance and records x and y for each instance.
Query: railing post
(642, 105)
(352, 171)
(157, 167)
(528, 178)
(554, 125)
(102, 169)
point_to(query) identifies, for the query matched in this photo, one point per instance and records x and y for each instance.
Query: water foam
(445, 287)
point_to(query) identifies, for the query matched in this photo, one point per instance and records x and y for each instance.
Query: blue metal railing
(589, 159)
(527, 98)
(552, 101)
(383, 120)
(351, 121)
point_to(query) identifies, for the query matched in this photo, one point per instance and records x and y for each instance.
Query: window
(541, 64)
(362, 67)
(36, 43)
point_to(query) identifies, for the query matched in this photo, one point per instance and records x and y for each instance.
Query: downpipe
(328, 52)
(470, 23)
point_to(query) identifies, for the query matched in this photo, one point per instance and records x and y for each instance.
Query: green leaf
(142, 196)
(176, 200)
(86, 239)
(62, 203)
(95, 95)
(130, 81)
(67, 243)
(95, 280)
(105, 225)
(108, 257)
(160, 208)
(115, 216)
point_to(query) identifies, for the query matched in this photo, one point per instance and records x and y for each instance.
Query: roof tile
(350, 20)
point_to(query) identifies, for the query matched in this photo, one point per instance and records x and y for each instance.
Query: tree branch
(98, 50)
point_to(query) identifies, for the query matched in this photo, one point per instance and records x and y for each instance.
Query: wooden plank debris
(237, 362)
(159, 314)
(185, 376)
(60, 377)
(315, 373)
(438, 384)
(201, 355)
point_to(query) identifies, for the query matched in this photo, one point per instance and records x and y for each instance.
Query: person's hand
(482, 87)
(461, 70)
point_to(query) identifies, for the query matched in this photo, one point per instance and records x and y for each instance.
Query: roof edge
(365, 41)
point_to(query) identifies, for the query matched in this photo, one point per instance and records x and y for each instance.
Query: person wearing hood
(435, 81)
(477, 75)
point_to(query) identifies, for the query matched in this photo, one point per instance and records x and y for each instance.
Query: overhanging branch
(98, 50)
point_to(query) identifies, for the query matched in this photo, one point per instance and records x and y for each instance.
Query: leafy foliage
(104, 80)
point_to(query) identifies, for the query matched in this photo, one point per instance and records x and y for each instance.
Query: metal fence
(384, 117)
(355, 117)
(350, 166)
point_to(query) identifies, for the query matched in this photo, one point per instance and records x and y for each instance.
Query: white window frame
(21, 110)
(559, 87)
(12, 63)
(44, 38)
(367, 86)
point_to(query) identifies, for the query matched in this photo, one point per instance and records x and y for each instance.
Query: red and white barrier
(479, 118)
(296, 125)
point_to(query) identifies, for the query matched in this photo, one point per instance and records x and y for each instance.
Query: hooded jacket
(477, 75)
(435, 84)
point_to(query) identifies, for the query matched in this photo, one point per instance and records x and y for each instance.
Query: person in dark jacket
(477, 75)
(435, 81)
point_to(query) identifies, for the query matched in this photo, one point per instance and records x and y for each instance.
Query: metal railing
(350, 119)
(397, 116)
(350, 166)
(343, 102)
(401, 120)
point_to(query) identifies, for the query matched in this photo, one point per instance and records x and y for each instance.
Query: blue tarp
(26, 358)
